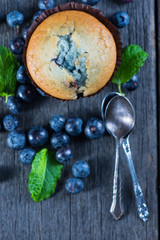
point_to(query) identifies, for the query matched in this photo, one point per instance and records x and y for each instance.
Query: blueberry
(94, 128)
(120, 19)
(16, 46)
(10, 122)
(14, 18)
(74, 126)
(63, 155)
(25, 31)
(59, 140)
(14, 105)
(22, 75)
(81, 169)
(16, 139)
(37, 14)
(133, 83)
(37, 136)
(46, 4)
(57, 123)
(90, 2)
(74, 185)
(43, 94)
(27, 93)
(27, 155)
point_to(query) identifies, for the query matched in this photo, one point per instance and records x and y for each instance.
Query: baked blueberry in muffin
(71, 54)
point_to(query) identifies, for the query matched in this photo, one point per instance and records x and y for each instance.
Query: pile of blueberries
(38, 137)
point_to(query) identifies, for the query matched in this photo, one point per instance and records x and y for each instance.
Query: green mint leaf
(8, 69)
(45, 173)
(133, 57)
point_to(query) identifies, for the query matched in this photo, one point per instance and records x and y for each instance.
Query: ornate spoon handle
(141, 204)
(117, 208)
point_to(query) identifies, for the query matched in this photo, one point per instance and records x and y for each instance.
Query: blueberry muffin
(71, 54)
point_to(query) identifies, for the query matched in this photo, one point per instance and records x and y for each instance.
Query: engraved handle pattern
(141, 204)
(117, 209)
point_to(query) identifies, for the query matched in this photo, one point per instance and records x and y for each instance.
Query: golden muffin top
(71, 53)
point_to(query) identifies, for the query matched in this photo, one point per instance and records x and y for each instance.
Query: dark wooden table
(86, 216)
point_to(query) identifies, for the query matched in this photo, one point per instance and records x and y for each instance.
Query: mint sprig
(133, 57)
(8, 69)
(45, 173)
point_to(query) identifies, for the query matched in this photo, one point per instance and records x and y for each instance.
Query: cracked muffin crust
(71, 53)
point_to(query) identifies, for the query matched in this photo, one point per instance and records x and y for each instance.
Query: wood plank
(158, 87)
(86, 216)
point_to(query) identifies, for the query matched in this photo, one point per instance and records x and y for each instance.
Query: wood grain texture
(86, 216)
(158, 86)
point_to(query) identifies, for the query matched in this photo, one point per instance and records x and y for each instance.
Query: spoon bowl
(119, 117)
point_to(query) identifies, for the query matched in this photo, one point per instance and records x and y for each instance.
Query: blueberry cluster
(80, 169)
(38, 137)
(64, 129)
(25, 92)
(16, 18)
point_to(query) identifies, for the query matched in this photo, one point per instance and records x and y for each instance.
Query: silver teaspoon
(120, 124)
(112, 125)
(117, 206)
